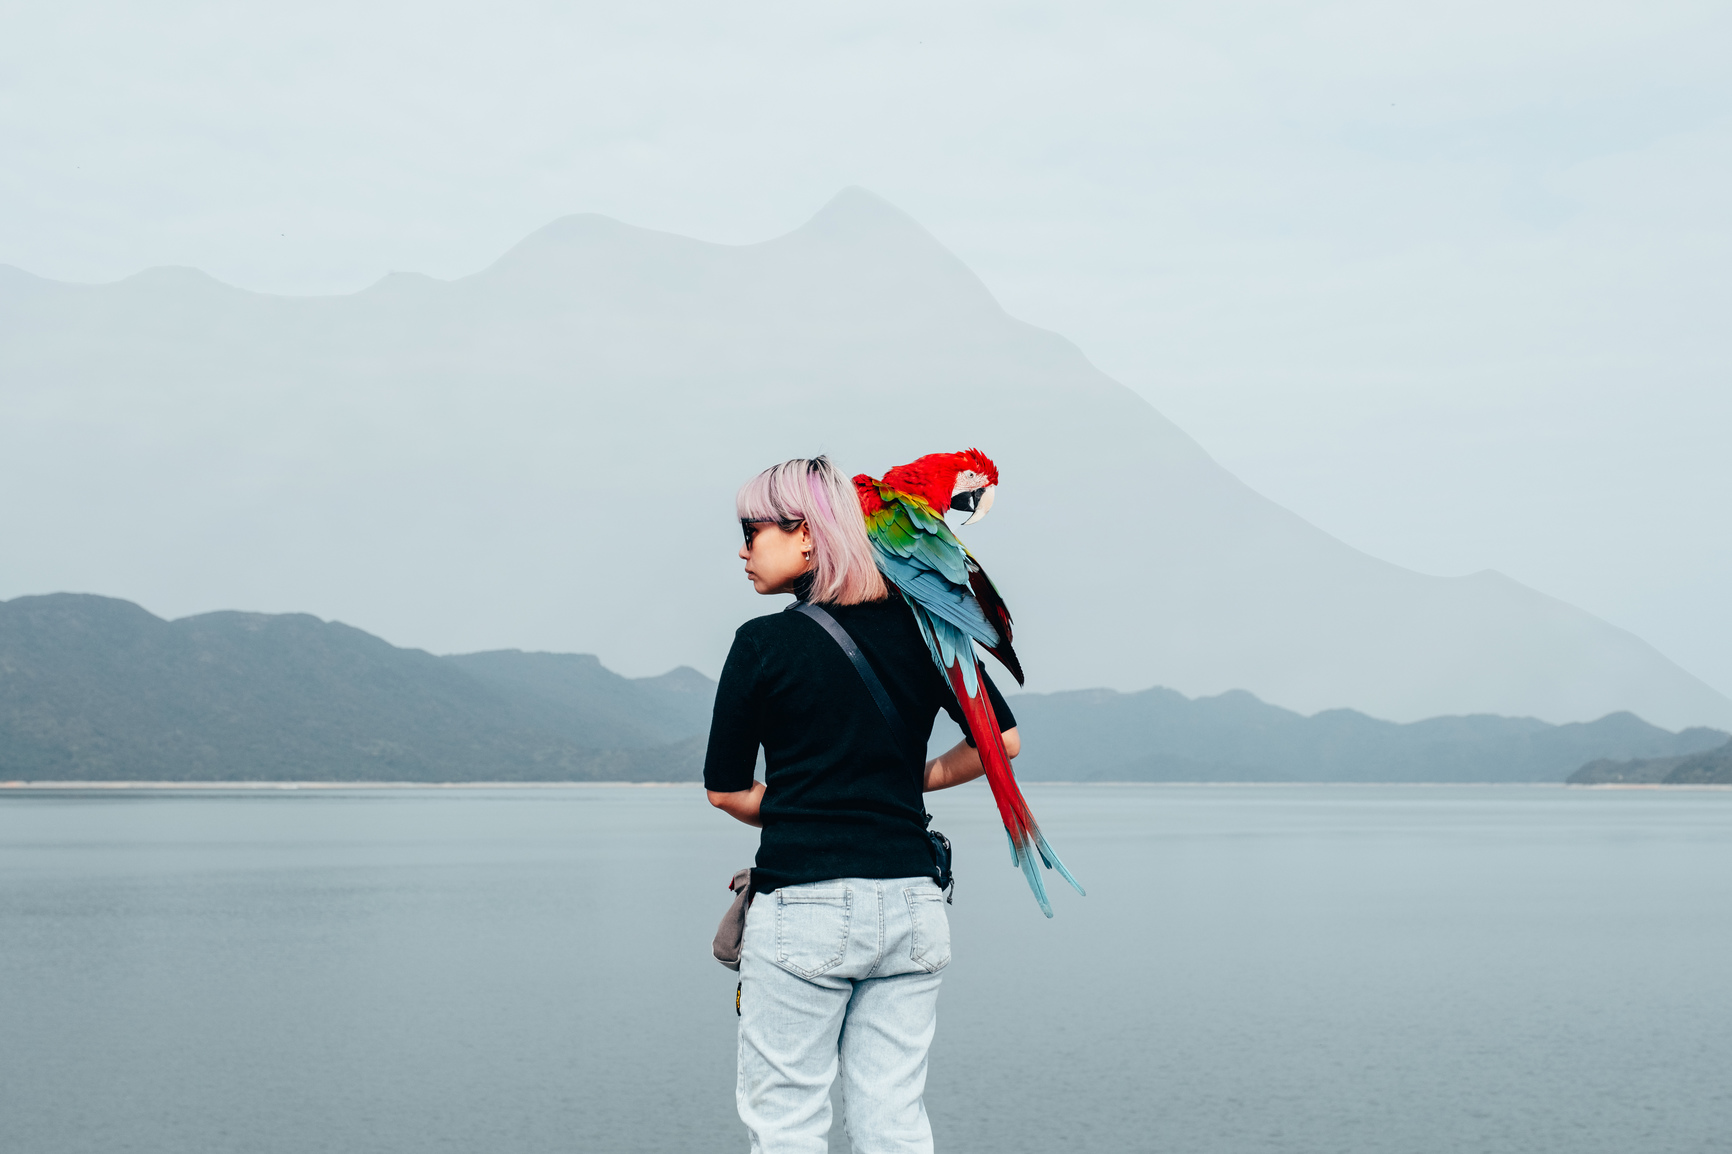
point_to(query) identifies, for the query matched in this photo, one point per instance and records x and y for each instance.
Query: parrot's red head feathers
(870, 500)
(964, 481)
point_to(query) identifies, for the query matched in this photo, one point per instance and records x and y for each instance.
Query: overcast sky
(1450, 283)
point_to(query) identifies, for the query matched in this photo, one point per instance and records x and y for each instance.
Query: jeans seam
(873, 968)
(917, 952)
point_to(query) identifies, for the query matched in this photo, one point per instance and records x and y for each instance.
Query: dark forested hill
(96, 688)
(1710, 767)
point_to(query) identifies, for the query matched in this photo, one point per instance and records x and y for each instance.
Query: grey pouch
(726, 947)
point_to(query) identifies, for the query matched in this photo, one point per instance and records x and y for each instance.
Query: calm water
(1299, 969)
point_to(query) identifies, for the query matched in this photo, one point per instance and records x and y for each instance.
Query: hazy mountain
(571, 694)
(543, 455)
(1159, 735)
(93, 688)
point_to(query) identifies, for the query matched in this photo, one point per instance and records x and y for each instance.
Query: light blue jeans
(845, 974)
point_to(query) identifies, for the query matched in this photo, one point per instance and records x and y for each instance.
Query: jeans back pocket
(812, 928)
(930, 942)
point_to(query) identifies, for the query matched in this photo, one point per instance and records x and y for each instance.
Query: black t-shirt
(841, 799)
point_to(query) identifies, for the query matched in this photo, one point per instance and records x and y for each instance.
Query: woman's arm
(959, 764)
(744, 803)
(732, 753)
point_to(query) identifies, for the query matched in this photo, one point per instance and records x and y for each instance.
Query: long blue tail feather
(1031, 871)
(1050, 856)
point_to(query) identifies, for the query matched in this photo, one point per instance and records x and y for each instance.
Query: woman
(846, 939)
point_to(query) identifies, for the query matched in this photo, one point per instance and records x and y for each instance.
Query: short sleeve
(1000, 708)
(732, 755)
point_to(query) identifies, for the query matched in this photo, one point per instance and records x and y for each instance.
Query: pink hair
(843, 571)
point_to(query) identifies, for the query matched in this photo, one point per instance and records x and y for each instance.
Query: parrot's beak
(976, 502)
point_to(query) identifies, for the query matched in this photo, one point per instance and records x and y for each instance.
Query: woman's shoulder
(768, 629)
(760, 641)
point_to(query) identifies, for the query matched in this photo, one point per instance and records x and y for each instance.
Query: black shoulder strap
(861, 665)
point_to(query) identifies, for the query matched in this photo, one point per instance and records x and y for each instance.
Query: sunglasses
(750, 528)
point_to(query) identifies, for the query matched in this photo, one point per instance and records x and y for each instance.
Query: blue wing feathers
(938, 596)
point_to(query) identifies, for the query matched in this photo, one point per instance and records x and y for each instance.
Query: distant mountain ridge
(93, 688)
(1160, 735)
(487, 442)
(99, 689)
(571, 694)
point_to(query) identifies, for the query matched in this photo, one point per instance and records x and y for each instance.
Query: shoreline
(263, 786)
(284, 786)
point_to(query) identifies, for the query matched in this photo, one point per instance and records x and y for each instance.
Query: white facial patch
(966, 480)
(985, 505)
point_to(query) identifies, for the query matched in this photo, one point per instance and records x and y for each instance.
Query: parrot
(955, 604)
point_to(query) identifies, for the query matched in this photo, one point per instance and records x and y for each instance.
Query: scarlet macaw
(955, 604)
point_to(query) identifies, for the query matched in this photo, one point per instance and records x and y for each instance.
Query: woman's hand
(961, 763)
(743, 803)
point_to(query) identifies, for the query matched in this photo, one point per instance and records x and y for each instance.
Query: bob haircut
(843, 570)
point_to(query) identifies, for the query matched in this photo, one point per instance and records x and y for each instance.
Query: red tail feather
(983, 727)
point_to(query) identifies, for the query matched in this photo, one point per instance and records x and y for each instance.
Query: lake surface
(1300, 969)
